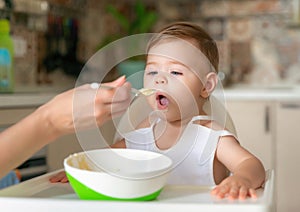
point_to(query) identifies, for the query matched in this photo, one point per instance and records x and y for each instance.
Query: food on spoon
(147, 91)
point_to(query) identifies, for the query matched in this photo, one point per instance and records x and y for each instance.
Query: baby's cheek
(151, 100)
(148, 81)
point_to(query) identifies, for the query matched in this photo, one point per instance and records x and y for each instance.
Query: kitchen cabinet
(9, 116)
(254, 127)
(58, 150)
(287, 156)
(270, 129)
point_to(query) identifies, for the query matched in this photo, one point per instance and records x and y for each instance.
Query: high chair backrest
(140, 110)
(218, 111)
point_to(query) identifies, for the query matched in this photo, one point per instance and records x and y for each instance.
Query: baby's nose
(161, 80)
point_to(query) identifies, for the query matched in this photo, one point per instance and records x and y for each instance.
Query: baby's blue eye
(151, 72)
(176, 73)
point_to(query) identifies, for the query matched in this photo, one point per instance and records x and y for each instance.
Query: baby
(181, 65)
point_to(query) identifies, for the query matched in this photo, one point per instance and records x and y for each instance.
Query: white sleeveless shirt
(192, 155)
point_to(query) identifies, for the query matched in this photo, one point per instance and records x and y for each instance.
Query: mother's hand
(84, 107)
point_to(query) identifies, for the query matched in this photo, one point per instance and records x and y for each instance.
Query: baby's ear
(209, 84)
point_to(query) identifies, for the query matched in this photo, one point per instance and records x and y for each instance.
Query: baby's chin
(169, 115)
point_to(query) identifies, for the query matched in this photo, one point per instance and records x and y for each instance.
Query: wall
(258, 42)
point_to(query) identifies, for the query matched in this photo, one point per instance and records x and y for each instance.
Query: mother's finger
(114, 94)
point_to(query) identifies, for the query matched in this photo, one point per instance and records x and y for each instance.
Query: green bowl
(117, 174)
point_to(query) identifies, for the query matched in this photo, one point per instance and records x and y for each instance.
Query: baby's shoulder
(210, 124)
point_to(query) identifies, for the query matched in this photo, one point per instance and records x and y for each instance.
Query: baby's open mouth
(162, 101)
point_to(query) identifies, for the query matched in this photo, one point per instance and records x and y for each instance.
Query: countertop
(31, 96)
(16, 100)
(272, 93)
(245, 93)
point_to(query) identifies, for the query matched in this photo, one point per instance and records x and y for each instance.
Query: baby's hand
(60, 177)
(234, 187)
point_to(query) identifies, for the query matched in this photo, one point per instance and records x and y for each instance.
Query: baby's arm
(248, 171)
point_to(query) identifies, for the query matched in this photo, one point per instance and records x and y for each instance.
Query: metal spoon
(137, 93)
(142, 91)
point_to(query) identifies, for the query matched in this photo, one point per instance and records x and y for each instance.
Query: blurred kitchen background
(258, 39)
(259, 43)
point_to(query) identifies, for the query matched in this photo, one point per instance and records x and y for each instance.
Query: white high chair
(219, 113)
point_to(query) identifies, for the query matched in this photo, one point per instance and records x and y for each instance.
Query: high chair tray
(39, 194)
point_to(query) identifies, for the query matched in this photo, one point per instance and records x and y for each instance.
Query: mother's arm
(55, 119)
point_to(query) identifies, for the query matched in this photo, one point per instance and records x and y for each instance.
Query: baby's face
(176, 72)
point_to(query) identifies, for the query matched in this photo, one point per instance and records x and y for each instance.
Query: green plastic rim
(85, 193)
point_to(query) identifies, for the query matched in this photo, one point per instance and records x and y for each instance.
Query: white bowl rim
(144, 175)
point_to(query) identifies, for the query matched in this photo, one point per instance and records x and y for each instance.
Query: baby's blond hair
(193, 33)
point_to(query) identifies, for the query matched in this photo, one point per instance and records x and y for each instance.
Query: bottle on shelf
(6, 58)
